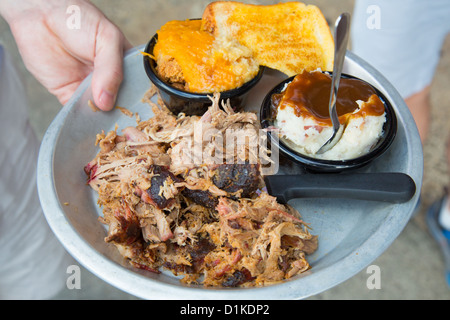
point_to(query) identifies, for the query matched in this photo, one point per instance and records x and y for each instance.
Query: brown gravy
(309, 95)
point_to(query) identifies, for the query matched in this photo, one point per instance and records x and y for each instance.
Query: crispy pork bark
(232, 178)
(235, 177)
(162, 178)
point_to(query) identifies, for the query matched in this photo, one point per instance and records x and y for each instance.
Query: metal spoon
(340, 38)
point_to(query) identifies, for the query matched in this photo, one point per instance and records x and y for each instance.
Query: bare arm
(61, 51)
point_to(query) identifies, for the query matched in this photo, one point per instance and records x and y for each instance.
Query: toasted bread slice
(290, 37)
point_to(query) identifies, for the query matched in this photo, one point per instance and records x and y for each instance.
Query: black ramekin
(180, 101)
(267, 116)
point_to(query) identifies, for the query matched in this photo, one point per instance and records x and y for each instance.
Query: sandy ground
(412, 267)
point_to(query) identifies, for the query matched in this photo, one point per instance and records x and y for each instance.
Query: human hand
(60, 57)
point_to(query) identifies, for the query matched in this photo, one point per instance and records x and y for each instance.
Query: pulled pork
(202, 213)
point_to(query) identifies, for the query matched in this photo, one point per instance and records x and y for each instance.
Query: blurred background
(411, 268)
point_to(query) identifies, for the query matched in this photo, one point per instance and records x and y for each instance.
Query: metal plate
(352, 233)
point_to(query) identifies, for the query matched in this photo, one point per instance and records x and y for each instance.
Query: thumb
(108, 66)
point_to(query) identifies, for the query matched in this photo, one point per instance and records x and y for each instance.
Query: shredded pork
(190, 205)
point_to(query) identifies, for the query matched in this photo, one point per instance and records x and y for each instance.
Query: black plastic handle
(390, 187)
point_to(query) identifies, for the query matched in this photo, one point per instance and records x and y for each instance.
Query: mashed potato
(305, 131)
(359, 135)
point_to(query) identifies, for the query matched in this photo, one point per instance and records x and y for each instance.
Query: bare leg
(419, 105)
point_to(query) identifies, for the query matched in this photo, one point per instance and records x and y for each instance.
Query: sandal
(441, 235)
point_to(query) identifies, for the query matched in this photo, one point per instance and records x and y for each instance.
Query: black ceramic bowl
(191, 103)
(267, 117)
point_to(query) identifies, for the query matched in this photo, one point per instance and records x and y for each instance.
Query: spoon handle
(392, 187)
(341, 32)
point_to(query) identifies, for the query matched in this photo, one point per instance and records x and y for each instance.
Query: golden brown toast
(289, 37)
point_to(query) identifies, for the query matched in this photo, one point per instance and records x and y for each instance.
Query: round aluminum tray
(352, 233)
